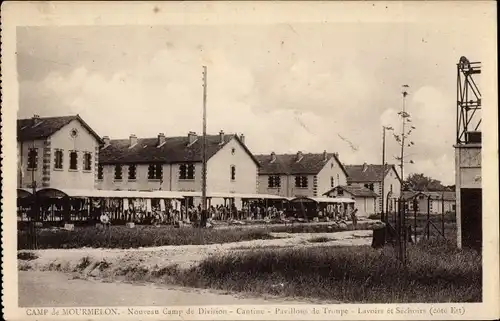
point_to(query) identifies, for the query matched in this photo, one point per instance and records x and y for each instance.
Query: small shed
(364, 198)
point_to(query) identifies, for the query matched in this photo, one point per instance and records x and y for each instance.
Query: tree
(420, 182)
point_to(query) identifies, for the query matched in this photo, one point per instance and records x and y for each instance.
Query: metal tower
(468, 102)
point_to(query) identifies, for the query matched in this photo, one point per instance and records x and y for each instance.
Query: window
(132, 172)
(301, 181)
(332, 182)
(100, 172)
(233, 172)
(87, 162)
(369, 186)
(340, 192)
(118, 172)
(233, 150)
(186, 171)
(155, 171)
(274, 182)
(73, 160)
(33, 158)
(391, 188)
(58, 159)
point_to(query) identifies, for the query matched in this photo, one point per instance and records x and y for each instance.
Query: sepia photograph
(221, 161)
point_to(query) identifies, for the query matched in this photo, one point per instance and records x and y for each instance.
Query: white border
(127, 13)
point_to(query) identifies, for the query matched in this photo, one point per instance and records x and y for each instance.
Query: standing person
(354, 218)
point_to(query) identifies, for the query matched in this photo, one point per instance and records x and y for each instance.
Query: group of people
(194, 214)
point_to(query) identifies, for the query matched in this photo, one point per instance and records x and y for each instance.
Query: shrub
(26, 256)
(320, 239)
(143, 236)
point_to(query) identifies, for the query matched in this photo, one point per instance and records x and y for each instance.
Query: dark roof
(174, 150)
(372, 173)
(359, 191)
(287, 164)
(436, 195)
(47, 126)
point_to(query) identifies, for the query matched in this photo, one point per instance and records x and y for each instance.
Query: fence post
(428, 216)
(415, 217)
(442, 217)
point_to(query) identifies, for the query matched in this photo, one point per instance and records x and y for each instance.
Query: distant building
(370, 176)
(432, 202)
(294, 175)
(56, 152)
(365, 199)
(175, 164)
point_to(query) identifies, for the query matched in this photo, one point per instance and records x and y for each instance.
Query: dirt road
(54, 289)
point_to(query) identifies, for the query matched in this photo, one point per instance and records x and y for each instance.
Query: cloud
(284, 98)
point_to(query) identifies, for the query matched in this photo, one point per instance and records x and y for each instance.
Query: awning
(234, 195)
(24, 192)
(327, 200)
(81, 193)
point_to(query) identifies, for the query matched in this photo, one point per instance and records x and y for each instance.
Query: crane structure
(468, 188)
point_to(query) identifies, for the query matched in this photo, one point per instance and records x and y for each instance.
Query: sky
(292, 87)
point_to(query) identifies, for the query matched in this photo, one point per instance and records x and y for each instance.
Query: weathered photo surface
(249, 160)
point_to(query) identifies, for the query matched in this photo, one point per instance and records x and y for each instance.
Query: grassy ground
(435, 273)
(148, 236)
(142, 236)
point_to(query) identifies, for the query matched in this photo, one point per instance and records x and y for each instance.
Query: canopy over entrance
(23, 193)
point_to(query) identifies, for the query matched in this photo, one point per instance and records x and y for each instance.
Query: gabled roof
(174, 150)
(435, 195)
(47, 126)
(358, 191)
(287, 164)
(368, 172)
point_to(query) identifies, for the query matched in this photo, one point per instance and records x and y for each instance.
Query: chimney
(161, 139)
(299, 156)
(365, 167)
(36, 120)
(273, 157)
(132, 140)
(325, 156)
(221, 137)
(106, 141)
(192, 137)
(242, 138)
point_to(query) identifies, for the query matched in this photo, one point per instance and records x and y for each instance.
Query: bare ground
(183, 256)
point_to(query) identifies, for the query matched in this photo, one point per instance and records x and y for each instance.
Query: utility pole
(382, 198)
(382, 217)
(204, 150)
(402, 204)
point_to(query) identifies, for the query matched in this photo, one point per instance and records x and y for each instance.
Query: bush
(320, 239)
(26, 256)
(361, 274)
(144, 236)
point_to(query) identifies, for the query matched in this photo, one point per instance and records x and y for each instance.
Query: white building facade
(57, 152)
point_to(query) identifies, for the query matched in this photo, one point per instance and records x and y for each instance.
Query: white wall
(331, 169)
(219, 170)
(83, 142)
(391, 179)
(287, 188)
(26, 178)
